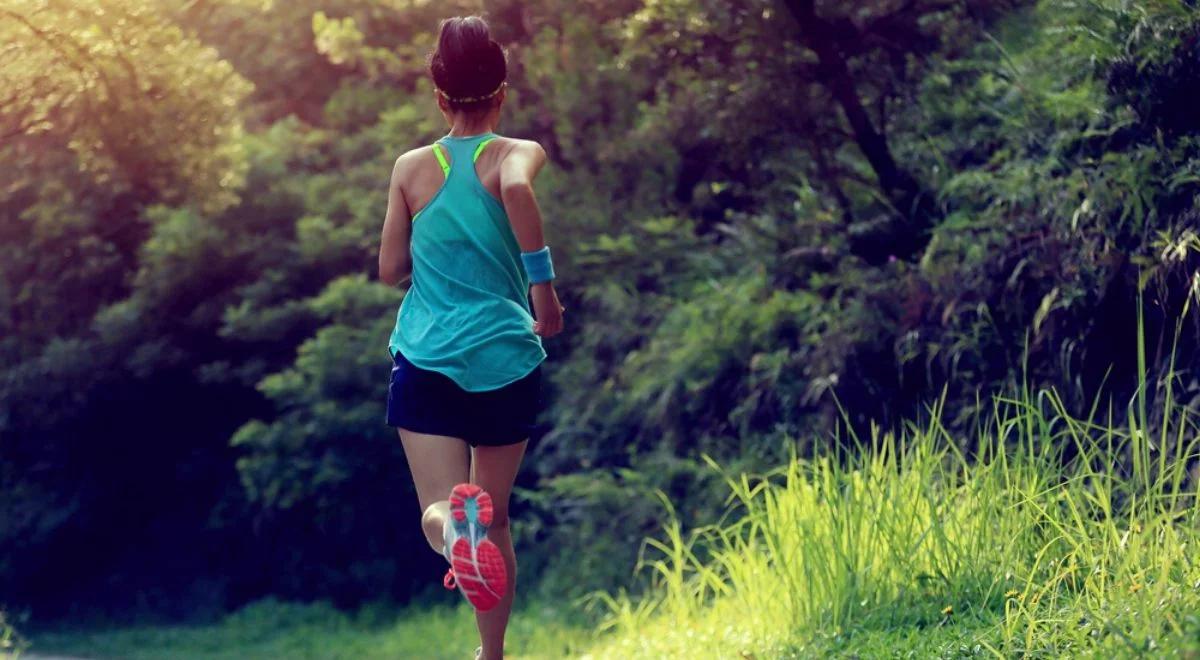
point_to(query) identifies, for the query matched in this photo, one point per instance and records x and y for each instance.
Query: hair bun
(468, 63)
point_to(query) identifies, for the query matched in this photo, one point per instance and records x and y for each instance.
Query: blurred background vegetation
(771, 217)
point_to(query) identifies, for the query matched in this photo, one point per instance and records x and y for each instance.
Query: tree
(830, 41)
(825, 78)
(145, 108)
(105, 107)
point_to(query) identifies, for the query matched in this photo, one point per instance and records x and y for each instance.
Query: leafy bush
(326, 477)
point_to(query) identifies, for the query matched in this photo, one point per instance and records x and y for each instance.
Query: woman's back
(467, 313)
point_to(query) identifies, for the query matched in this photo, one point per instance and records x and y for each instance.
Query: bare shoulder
(525, 148)
(412, 158)
(522, 160)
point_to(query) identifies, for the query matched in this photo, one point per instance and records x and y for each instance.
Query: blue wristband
(538, 266)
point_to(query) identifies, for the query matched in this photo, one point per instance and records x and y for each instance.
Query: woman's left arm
(395, 261)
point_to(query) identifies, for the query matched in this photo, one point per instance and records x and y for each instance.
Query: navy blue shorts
(431, 402)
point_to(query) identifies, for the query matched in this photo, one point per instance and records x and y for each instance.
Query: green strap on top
(437, 151)
(479, 149)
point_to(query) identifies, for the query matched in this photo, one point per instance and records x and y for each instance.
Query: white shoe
(449, 536)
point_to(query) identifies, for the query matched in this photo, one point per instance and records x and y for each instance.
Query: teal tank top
(466, 314)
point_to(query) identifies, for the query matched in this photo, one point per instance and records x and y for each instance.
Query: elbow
(516, 189)
(392, 274)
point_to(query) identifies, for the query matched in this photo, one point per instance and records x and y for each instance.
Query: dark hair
(467, 66)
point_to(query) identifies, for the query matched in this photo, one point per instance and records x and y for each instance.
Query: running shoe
(476, 565)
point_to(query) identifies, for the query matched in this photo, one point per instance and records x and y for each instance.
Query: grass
(273, 629)
(1045, 535)
(1049, 536)
(11, 644)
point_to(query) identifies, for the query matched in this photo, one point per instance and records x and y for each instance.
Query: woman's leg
(495, 469)
(438, 463)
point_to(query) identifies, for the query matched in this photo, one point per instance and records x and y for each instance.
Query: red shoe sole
(478, 569)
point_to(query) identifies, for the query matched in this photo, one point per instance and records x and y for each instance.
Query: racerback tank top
(466, 313)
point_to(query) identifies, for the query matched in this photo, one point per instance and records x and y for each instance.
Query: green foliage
(270, 628)
(326, 466)
(1055, 222)
(269, 43)
(143, 106)
(333, 370)
(11, 643)
(106, 107)
(608, 512)
(1034, 271)
(1037, 543)
(170, 280)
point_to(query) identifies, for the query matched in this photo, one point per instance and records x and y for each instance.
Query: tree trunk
(883, 238)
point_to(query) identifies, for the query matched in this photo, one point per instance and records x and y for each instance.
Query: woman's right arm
(517, 172)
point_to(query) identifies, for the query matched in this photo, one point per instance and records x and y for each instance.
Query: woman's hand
(546, 309)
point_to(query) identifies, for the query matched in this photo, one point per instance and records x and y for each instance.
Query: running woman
(463, 222)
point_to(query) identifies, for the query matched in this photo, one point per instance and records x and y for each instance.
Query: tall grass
(11, 643)
(1044, 534)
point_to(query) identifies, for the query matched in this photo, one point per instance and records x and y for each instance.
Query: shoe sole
(478, 565)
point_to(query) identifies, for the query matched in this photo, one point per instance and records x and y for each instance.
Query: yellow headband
(469, 99)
